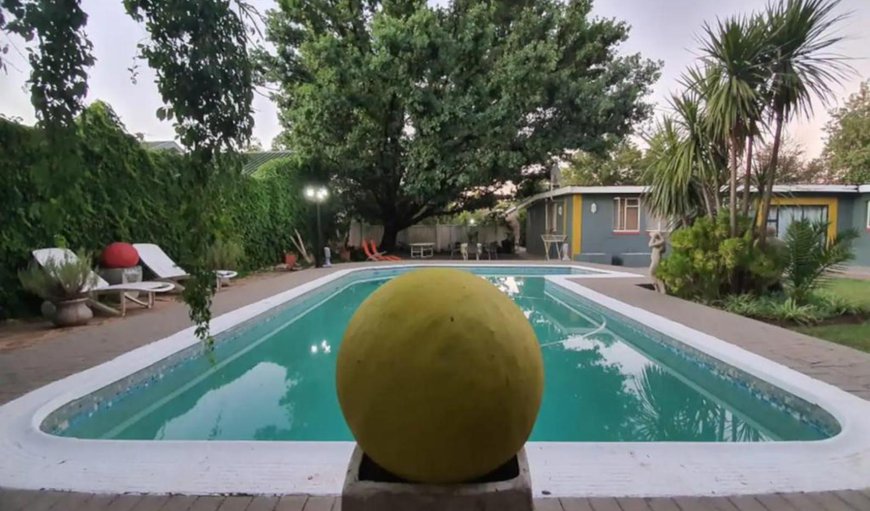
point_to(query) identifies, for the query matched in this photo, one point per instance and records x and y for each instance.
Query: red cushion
(119, 255)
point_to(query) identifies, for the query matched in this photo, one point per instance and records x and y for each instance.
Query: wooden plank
(70, 501)
(694, 503)
(151, 503)
(45, 501)
(802, 501)
(98, 503)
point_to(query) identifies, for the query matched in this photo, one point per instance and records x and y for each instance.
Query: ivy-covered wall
(106, 187)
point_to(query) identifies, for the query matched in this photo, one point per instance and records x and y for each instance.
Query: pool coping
(36, 460)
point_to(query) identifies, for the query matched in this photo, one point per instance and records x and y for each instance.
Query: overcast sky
(661, 29)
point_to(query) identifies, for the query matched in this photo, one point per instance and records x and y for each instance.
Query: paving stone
(291, 503)
(746, 503)
(662, 504)
(604, 504)
(263, 503)
(14, 500)
(151, 503)
(803, 501)
(693, 504)
(575, 504)
(207, 503)
(774, 502)
(124, 503)
(633, 504)
(235, 503)
(319, 503)
(829, 501)
(179, 503)
(71, 501)
(548, 505)
(98, 503)
(855, 499)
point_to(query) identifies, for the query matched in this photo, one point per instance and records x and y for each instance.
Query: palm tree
(732, 84)
(801, 66)
(685, 160)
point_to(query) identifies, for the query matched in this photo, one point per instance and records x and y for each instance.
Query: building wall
(536, 223)
(632, 249)
(859, 223)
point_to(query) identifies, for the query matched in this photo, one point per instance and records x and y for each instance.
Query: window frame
(621, 206)
(867, 210)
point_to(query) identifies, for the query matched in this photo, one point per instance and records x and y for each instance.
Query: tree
(793, 167)
(421, 110)
(801, 67)
(685, 165)
(847, 150)
(621, 166)
(731, 84)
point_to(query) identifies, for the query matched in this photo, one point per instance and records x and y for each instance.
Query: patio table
(422, 250)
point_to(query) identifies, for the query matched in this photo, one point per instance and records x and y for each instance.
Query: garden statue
(327, 257)
(657, 248)
(440, 378)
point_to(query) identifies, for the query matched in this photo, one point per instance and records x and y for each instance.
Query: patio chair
(44, 255)
(164, 268)
(456, 248)
(373, 254)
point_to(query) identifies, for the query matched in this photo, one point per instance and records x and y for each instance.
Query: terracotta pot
(72, 312)
(290, 260)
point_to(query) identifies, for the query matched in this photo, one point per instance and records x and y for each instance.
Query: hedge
(104, 186)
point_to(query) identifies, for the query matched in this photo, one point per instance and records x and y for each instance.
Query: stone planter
(72, 312)
(122, 276)
(368, 487)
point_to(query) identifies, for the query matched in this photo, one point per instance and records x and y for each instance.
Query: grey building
(611, 225)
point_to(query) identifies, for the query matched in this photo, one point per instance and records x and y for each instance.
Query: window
(868, 215)
(554, 212)
(780, 217)
(626, 214)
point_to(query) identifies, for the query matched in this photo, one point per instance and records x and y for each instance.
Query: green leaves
(810, 256)
(419, 110)
(847, 150)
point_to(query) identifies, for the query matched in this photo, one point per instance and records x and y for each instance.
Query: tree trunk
(732, 186)
(747, 176)
(391, 231)
(770, 177)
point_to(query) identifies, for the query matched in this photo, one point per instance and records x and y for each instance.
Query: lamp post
(317, 195)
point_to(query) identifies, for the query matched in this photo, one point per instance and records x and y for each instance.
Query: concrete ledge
(632, 259)
(360, 494)
(594, 257)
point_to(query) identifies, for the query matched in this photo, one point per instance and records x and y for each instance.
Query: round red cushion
(119, 255)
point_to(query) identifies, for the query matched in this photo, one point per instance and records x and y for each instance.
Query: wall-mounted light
(593, 208)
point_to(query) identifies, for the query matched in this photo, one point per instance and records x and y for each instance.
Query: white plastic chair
(165, 268)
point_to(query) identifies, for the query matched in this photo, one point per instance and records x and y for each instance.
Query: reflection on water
(600, 385)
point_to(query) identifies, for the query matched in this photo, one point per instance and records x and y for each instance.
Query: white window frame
(621, 207)
(867, 207)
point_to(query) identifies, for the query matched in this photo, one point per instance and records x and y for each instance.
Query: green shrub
(705, 262)
(781, 307)
(59, 280)
(809, 256)
(107, 187)
(225, 255)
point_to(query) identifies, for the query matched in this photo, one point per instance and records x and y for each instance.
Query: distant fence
(442, 235)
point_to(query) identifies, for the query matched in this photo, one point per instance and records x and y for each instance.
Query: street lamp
(317, 195)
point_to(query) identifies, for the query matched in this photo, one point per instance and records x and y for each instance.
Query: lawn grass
(855, 335)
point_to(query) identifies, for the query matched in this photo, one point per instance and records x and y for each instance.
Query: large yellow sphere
(439, 376)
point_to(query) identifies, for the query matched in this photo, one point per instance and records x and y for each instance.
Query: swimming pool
(274, 379)
(635, 404)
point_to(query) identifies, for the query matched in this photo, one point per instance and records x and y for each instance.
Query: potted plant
(65, 284)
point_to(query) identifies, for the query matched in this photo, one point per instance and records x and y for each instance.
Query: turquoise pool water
(606, 380)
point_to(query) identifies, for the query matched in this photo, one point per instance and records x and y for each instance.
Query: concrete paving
(32, 356)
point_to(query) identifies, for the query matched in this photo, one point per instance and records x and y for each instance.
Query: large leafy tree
(847, 150)
(623, 165)
(419, 110)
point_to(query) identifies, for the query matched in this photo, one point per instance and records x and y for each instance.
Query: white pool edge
(32, 459)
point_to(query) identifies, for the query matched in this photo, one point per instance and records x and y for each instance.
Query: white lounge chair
(165, 268)
(44, 255)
